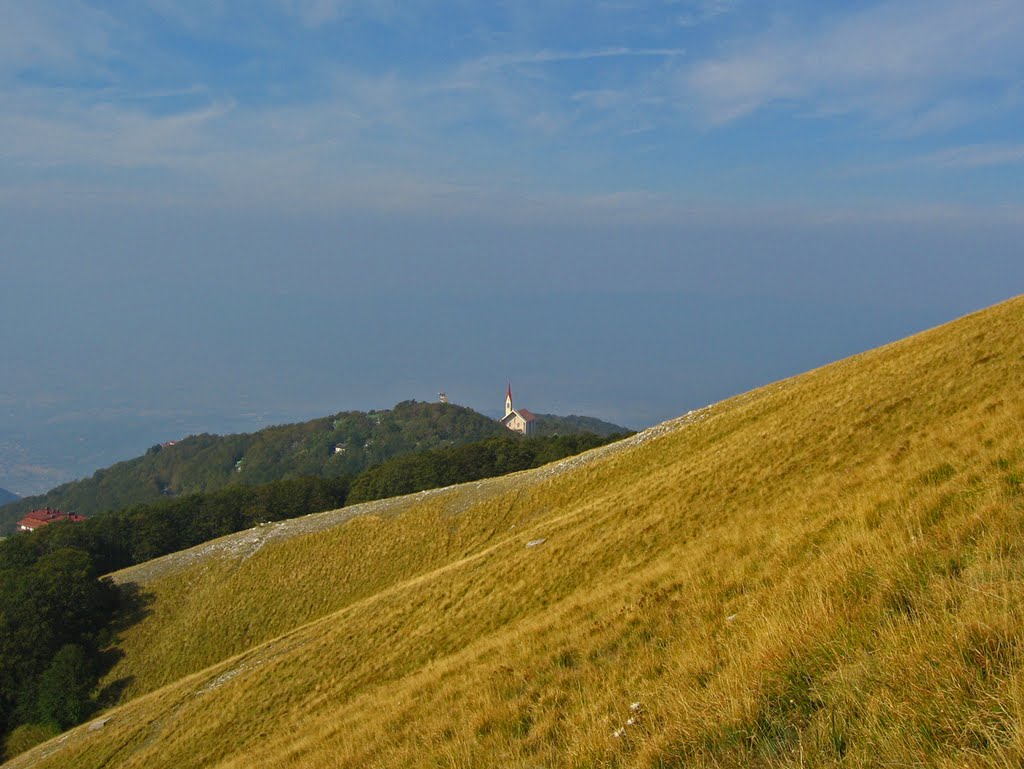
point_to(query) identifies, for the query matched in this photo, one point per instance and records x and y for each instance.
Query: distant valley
(43, 445)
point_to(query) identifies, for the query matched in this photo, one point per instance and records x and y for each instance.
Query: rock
(535, 542)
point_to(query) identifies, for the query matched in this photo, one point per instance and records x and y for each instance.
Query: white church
(518, 420)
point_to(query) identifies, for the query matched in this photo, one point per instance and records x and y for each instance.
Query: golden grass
(826, 571)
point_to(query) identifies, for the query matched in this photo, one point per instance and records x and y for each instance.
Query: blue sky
(895, 107)
(217, 214)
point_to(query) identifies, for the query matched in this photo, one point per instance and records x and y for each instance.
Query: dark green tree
(64, 687)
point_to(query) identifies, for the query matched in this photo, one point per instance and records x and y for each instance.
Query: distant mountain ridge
(551, 424)
(340, 445)
(7, 497)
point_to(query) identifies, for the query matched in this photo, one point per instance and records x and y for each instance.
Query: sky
(216, 215)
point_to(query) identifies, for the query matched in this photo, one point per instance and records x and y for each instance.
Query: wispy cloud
(702, 11)
(496, 61)
(976, 156)
(893, 62)
(278, 113)
(967, 157)
(42, 134)
(527, 88)
(74, 38)
(315, 13)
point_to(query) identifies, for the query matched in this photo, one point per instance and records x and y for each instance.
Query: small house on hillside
(39, 518)
(517, 420)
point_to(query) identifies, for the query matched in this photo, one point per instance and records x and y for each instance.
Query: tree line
(460, 464)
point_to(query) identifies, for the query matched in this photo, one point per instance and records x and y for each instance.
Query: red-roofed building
(39, 518)
(517, 420)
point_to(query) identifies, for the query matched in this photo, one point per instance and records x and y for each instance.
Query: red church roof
(44, 517)
(526, 414)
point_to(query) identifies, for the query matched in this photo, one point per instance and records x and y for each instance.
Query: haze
(217, 216)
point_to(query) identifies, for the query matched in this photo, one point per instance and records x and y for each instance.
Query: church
(517, 420)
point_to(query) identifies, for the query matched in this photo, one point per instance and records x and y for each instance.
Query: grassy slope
(828, 570)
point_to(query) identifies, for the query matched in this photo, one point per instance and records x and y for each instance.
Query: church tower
(517, 420)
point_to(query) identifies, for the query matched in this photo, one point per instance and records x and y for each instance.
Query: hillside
(340, 445)
(8, 496)
(334, 446)
(826, 571)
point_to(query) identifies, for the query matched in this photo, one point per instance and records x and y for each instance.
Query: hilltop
(825, 571)
(335, 446)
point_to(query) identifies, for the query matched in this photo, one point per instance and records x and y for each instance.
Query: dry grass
(827, 571)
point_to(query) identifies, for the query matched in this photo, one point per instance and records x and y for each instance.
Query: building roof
(45, 516)
(525, 415)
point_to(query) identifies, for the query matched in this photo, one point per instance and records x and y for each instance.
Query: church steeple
(518, 420)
